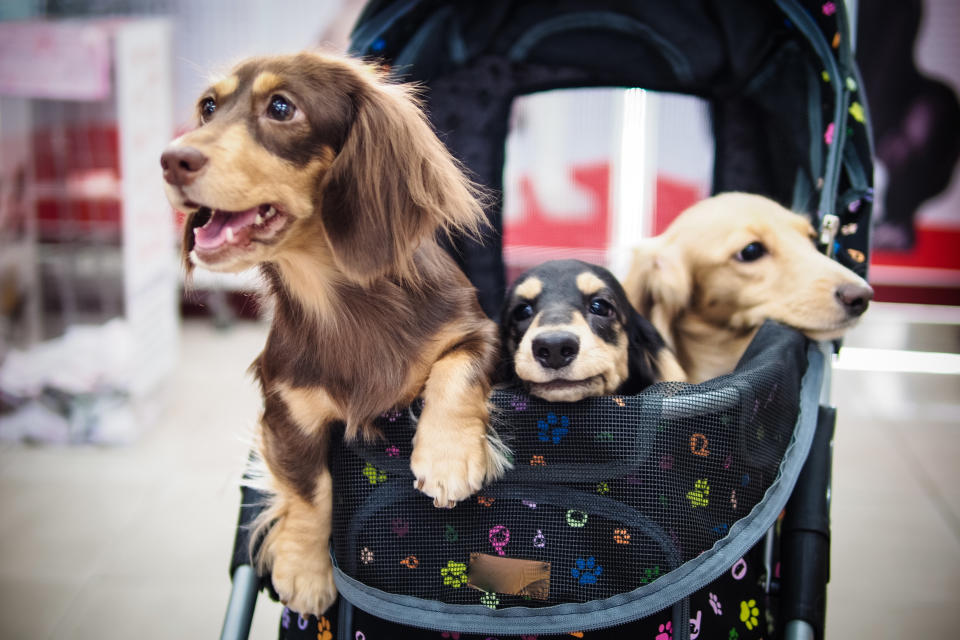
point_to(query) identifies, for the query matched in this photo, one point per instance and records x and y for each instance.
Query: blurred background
(125, 411)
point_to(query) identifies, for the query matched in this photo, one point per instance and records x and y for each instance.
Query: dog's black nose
(854, 297)
(556, 349)
(181, 164)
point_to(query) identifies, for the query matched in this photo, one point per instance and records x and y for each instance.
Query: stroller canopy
(788, 116)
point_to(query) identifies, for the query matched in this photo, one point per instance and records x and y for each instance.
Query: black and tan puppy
(328, 177)
(568, 332)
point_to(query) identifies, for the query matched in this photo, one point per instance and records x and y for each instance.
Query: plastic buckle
(829, 226)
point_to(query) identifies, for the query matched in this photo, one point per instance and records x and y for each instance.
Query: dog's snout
(181, 165)
(854, 297)
(556, 349)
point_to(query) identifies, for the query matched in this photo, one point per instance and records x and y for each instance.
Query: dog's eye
(280, 108)
(600, 307)
(522, 312)
(207, 107)
(751, 252)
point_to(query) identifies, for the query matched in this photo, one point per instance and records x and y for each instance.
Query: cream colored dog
(727, 264)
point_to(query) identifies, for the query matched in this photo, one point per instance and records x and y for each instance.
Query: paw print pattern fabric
(620, 494)
(611, 492)
(728, 607)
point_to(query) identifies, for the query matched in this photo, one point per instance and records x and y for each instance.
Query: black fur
(559, 298)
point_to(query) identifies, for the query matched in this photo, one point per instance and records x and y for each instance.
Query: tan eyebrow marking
(225, 87)
(589, 283)
(529, 288)
(266, 82)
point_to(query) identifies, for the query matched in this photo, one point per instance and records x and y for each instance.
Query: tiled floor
(134, 542)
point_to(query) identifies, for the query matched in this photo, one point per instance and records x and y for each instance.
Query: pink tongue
(214, 233)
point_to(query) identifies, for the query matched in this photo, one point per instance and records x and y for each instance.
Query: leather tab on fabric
(514, 576)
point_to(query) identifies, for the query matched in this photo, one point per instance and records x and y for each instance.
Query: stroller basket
(617, 507)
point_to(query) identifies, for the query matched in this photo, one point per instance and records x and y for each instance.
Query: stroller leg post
(806, 539)
(243, 598)
(798, 630)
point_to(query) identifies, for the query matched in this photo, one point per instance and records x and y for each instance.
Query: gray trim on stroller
(671, 589)
(646, 600)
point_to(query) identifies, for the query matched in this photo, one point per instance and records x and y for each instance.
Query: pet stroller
(619, 508)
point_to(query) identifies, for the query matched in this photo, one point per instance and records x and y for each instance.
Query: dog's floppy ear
(649, 358)
(659, 284)
(505, 371)
(392, 184)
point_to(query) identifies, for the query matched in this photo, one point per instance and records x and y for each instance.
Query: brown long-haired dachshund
(329, 178)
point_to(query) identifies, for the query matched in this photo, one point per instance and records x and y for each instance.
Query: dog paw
(450, 465)
(303, 585)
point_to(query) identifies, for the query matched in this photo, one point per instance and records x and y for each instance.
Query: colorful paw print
(603, 488)
(649, 575)
(586, 570)
(391, 415)
(715, 604)
(621, 536)
(733, 635)
(393, 451)
(499, 538)
(699, 445)
(519, 403)
(374, 475)
(698, 496)
(410, 562)
(539, 540)
(666, 632)
(537, 461)
(454, 574)
(366, 555)
(450, 534)
(323, 629)
(856, 110)
(577, 519)
(485, 501)
(553, 429)
(749, 613)
(489, 599)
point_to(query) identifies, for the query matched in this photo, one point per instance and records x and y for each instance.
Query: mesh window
(613, 492)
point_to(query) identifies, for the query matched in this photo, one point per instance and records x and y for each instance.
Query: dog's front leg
(295, 433)
(454, 455)
(297, 548)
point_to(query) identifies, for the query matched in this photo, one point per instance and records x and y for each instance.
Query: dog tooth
(229, 234)
(270, 212)
(258, 219)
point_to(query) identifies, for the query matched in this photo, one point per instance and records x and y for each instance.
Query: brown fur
(708, 304)
(369, 312)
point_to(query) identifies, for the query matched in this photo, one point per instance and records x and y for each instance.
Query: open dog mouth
(215, 229)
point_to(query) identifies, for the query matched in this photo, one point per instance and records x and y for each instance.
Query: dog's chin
(830, 333)
(231, 241)
(568, 390)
